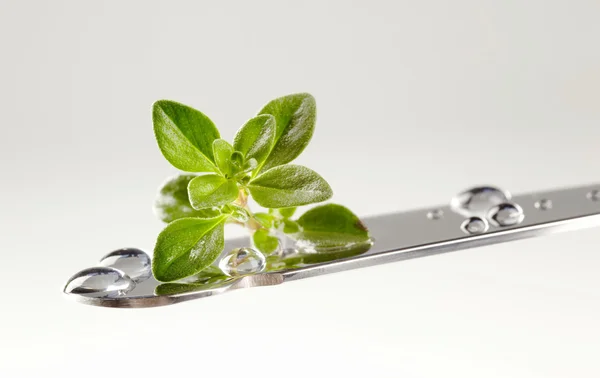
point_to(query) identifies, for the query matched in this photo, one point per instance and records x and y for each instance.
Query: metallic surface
(399, 236)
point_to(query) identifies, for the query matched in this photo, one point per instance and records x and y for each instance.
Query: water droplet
(435, 214)
(132, 261)
(284, 258)
(506, 214)
(475, 225)
(289, 253)
(240, 214)
(243, 261)
(478, 200)
(594, 195)
(543, 204)
(100, 282)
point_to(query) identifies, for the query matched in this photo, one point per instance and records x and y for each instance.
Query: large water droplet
(478, 200)
(243, 261)
(100, 282)
(475, 225)
(132, 261)
(506, 214)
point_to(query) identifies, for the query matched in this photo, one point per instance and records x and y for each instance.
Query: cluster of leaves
(255, 164)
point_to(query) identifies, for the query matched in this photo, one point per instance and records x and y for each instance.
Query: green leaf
(295, 117)
(212, 190)
(265, 220)
(238, 159)
(334, 232)
(240, 171)
(332, 254)
(184, 136)
(250, 165)
(264, 242)
(237, 162)
(173, 201)
(284, 212)
(222, 151)
(187, 246)
(289, 185)
(256, 138)
(290, 227)
(331, 225)
(174, 288)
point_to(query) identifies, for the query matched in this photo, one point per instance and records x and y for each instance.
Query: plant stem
(242, 201)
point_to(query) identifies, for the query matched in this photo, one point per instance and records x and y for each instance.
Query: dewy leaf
(256, 138)
(331, 225)
(212, 190)
(289, 185)
(173, 201)
(185, 136)
(187, 246)
(222, 151)
(264, 242)
(295, 117)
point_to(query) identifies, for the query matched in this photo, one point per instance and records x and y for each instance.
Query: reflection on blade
(395, 237)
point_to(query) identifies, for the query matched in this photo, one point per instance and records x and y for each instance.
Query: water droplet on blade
(543, 204)
(243, 261)
(594, 195)
(132, 261)
(475, 225)
(285, 257)
(476, 202)
(100, 282)
(506, 214)
(289, 253)
(435, 214)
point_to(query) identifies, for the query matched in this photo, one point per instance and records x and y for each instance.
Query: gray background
(417, 100)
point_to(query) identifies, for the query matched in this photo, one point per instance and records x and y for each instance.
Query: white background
(417, 100)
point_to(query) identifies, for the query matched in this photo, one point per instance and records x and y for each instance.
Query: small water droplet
(594, 195)
(475, 225)
(543, 204)
(243, 261)
(478, 200)
(240, 215)
(435, 214)
(289, 253)
(284, 258)
(132, 261)
(100, 282)
(506, 214)
(286, 252)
